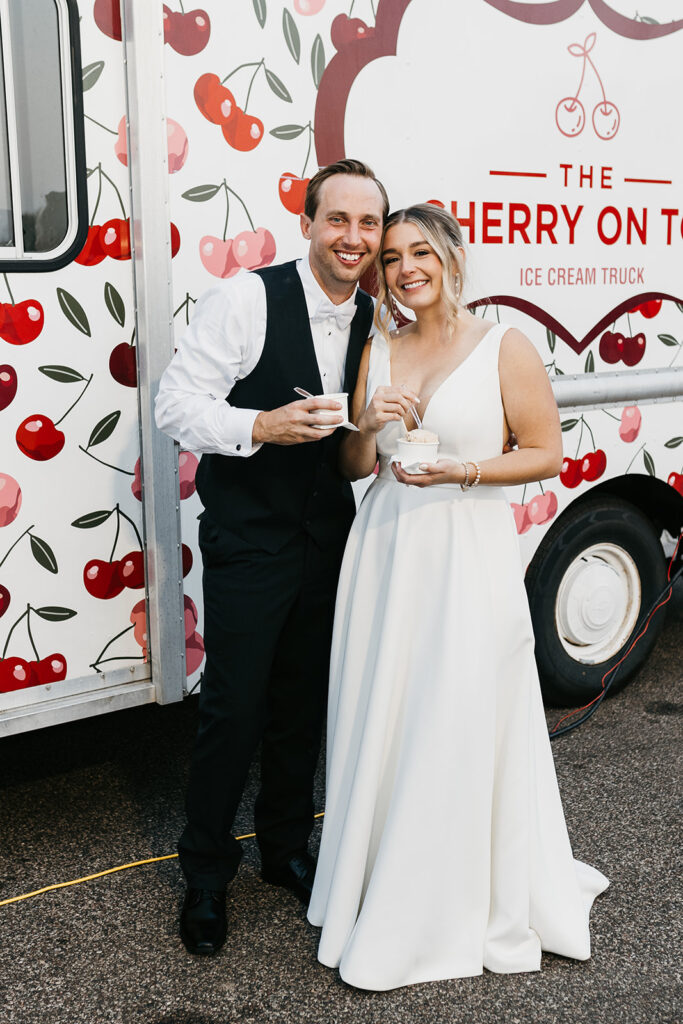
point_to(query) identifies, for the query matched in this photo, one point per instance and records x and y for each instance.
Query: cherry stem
(590, 432)
(227, 211)
(576, 454)
(11, 297)
(523, 494)
(628, 318)
(372, 6)
(132, 338)
(634, 458)
(261, 63)
(126, 472)
(249, 64)
(118, 194)
(602, 90)
(240, 200)
(129, 520)
(308, 151)
(182, 9)
(98, 659)
(353, 2)
(116, 535)
(541, 486)
(676, 354)
(99, 195)
(9, 635)
(611, 416)
(583, 74)
(99, 124)
(87, 385)
(119, 657)
(16, 542)
(30, 634)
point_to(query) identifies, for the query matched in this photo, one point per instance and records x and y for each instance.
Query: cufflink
(238, 447)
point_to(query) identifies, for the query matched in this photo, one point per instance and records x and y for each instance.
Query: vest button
(315, 494)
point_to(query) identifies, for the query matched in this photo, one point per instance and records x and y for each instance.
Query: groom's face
(345, 233)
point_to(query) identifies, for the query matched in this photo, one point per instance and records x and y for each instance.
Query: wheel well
(662, 505)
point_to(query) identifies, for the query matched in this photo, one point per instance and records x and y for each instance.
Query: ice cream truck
(149, 151)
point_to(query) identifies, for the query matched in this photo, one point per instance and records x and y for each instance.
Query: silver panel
(601, 390)
(71, 708)
(147, 145)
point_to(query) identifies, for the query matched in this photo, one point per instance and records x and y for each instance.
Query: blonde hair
(444, 234)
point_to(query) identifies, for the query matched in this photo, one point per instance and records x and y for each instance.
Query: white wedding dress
(444, 847)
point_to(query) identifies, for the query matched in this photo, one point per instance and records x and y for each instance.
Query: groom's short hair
(353, 167)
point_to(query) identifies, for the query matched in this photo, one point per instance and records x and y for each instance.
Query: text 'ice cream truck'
(149, 151)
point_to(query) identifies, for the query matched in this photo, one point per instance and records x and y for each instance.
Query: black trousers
(267, 633)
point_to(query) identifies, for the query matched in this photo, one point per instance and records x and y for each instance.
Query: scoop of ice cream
(421, 436)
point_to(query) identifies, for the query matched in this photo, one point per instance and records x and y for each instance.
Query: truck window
(43, 200)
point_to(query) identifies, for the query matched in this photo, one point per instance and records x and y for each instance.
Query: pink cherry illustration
(521, 514)
(254, 249)
(542, 508)
(191, 615)
(138, 617)
(121, 144)
(217, 256)
(629, 428)
(194, 652)
(308, 7)
(136, 486)
(187, 467)
(10, 499)
(177, 145)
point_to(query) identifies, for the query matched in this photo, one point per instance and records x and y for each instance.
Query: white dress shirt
(222, 345)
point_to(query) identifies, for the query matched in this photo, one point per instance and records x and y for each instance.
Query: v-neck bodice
(466, 410)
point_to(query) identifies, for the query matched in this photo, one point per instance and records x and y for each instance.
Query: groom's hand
(294, 423)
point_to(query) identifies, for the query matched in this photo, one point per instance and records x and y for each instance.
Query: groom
(272, 534)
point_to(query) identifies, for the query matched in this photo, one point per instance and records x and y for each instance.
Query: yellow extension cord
(109, 871)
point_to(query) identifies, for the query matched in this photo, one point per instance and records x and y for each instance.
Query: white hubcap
(597, 603)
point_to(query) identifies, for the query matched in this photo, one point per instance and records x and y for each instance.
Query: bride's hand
(387, 404)
(445, 471)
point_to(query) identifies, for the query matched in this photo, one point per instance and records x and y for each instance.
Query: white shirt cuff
(241, 429)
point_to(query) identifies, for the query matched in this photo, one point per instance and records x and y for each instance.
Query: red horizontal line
(521, 174)
(650, 181)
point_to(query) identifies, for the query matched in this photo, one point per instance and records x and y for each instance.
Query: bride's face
(412, 269)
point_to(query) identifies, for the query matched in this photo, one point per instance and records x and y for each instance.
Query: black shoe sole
(203, 950)
(299, 891)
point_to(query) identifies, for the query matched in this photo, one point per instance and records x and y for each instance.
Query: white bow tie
(343, 314)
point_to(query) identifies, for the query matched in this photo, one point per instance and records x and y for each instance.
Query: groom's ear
(305, 224)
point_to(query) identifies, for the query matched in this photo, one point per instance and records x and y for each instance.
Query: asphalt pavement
(87, 796)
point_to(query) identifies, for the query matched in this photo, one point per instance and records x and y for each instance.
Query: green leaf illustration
(649, 21)
(291, 35)
(260, 11)
(277, 86)
(43, 554)
(568, 424)
(64, 374)
(673, 442)
(200, 193)
(559, 372)
(91, 519)
(679, 307)
(104, 429)
(91, 73)
(649, 463)
(287, 131)
(667, 339)
(53, 613)
(115, 304)
(590, 364)
(73, 311)
(317, 60)
(551, 339)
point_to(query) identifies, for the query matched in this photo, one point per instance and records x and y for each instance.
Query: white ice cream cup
(343, 398)
(412, 454)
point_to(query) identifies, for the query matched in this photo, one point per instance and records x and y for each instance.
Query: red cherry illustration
(48, 670)
(675, 480)
(175, 240)
(521, 514)
(649, 308)
(186, 33)
(542, 508)
(123, 365)
(131, 570)
(629, 428)
(187, 560)
(633, 349)
(115, 238)
(292, 191)
(10, 499)
(187, 467)
(92, 252)
(609, 352)
(217, 256)
(346, 30)
(215, 102)
(101, 579)
(254, 249)
(570, 474)
(606, 120)
(8, 385)
(243, 131)
(136, 486)
(593, 465)
(14, 674)
(22, 322)
(194, 652)
(570, 117)
(39, 438)
(107, 15)
(5, 598)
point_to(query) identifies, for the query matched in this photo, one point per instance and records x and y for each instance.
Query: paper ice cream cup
(412, 454)
(343, 398)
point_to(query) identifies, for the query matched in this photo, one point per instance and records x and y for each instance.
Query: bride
(444, 849)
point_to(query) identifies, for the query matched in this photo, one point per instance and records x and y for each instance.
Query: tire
(594, 575)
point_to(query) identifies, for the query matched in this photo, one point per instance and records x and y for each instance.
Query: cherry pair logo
(570, 113)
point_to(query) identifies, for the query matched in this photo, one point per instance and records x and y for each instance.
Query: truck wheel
(591, 580)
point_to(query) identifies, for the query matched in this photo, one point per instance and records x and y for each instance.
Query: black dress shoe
(297, 875)
(203, 926)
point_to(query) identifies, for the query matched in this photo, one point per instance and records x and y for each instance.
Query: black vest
(281, 490)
